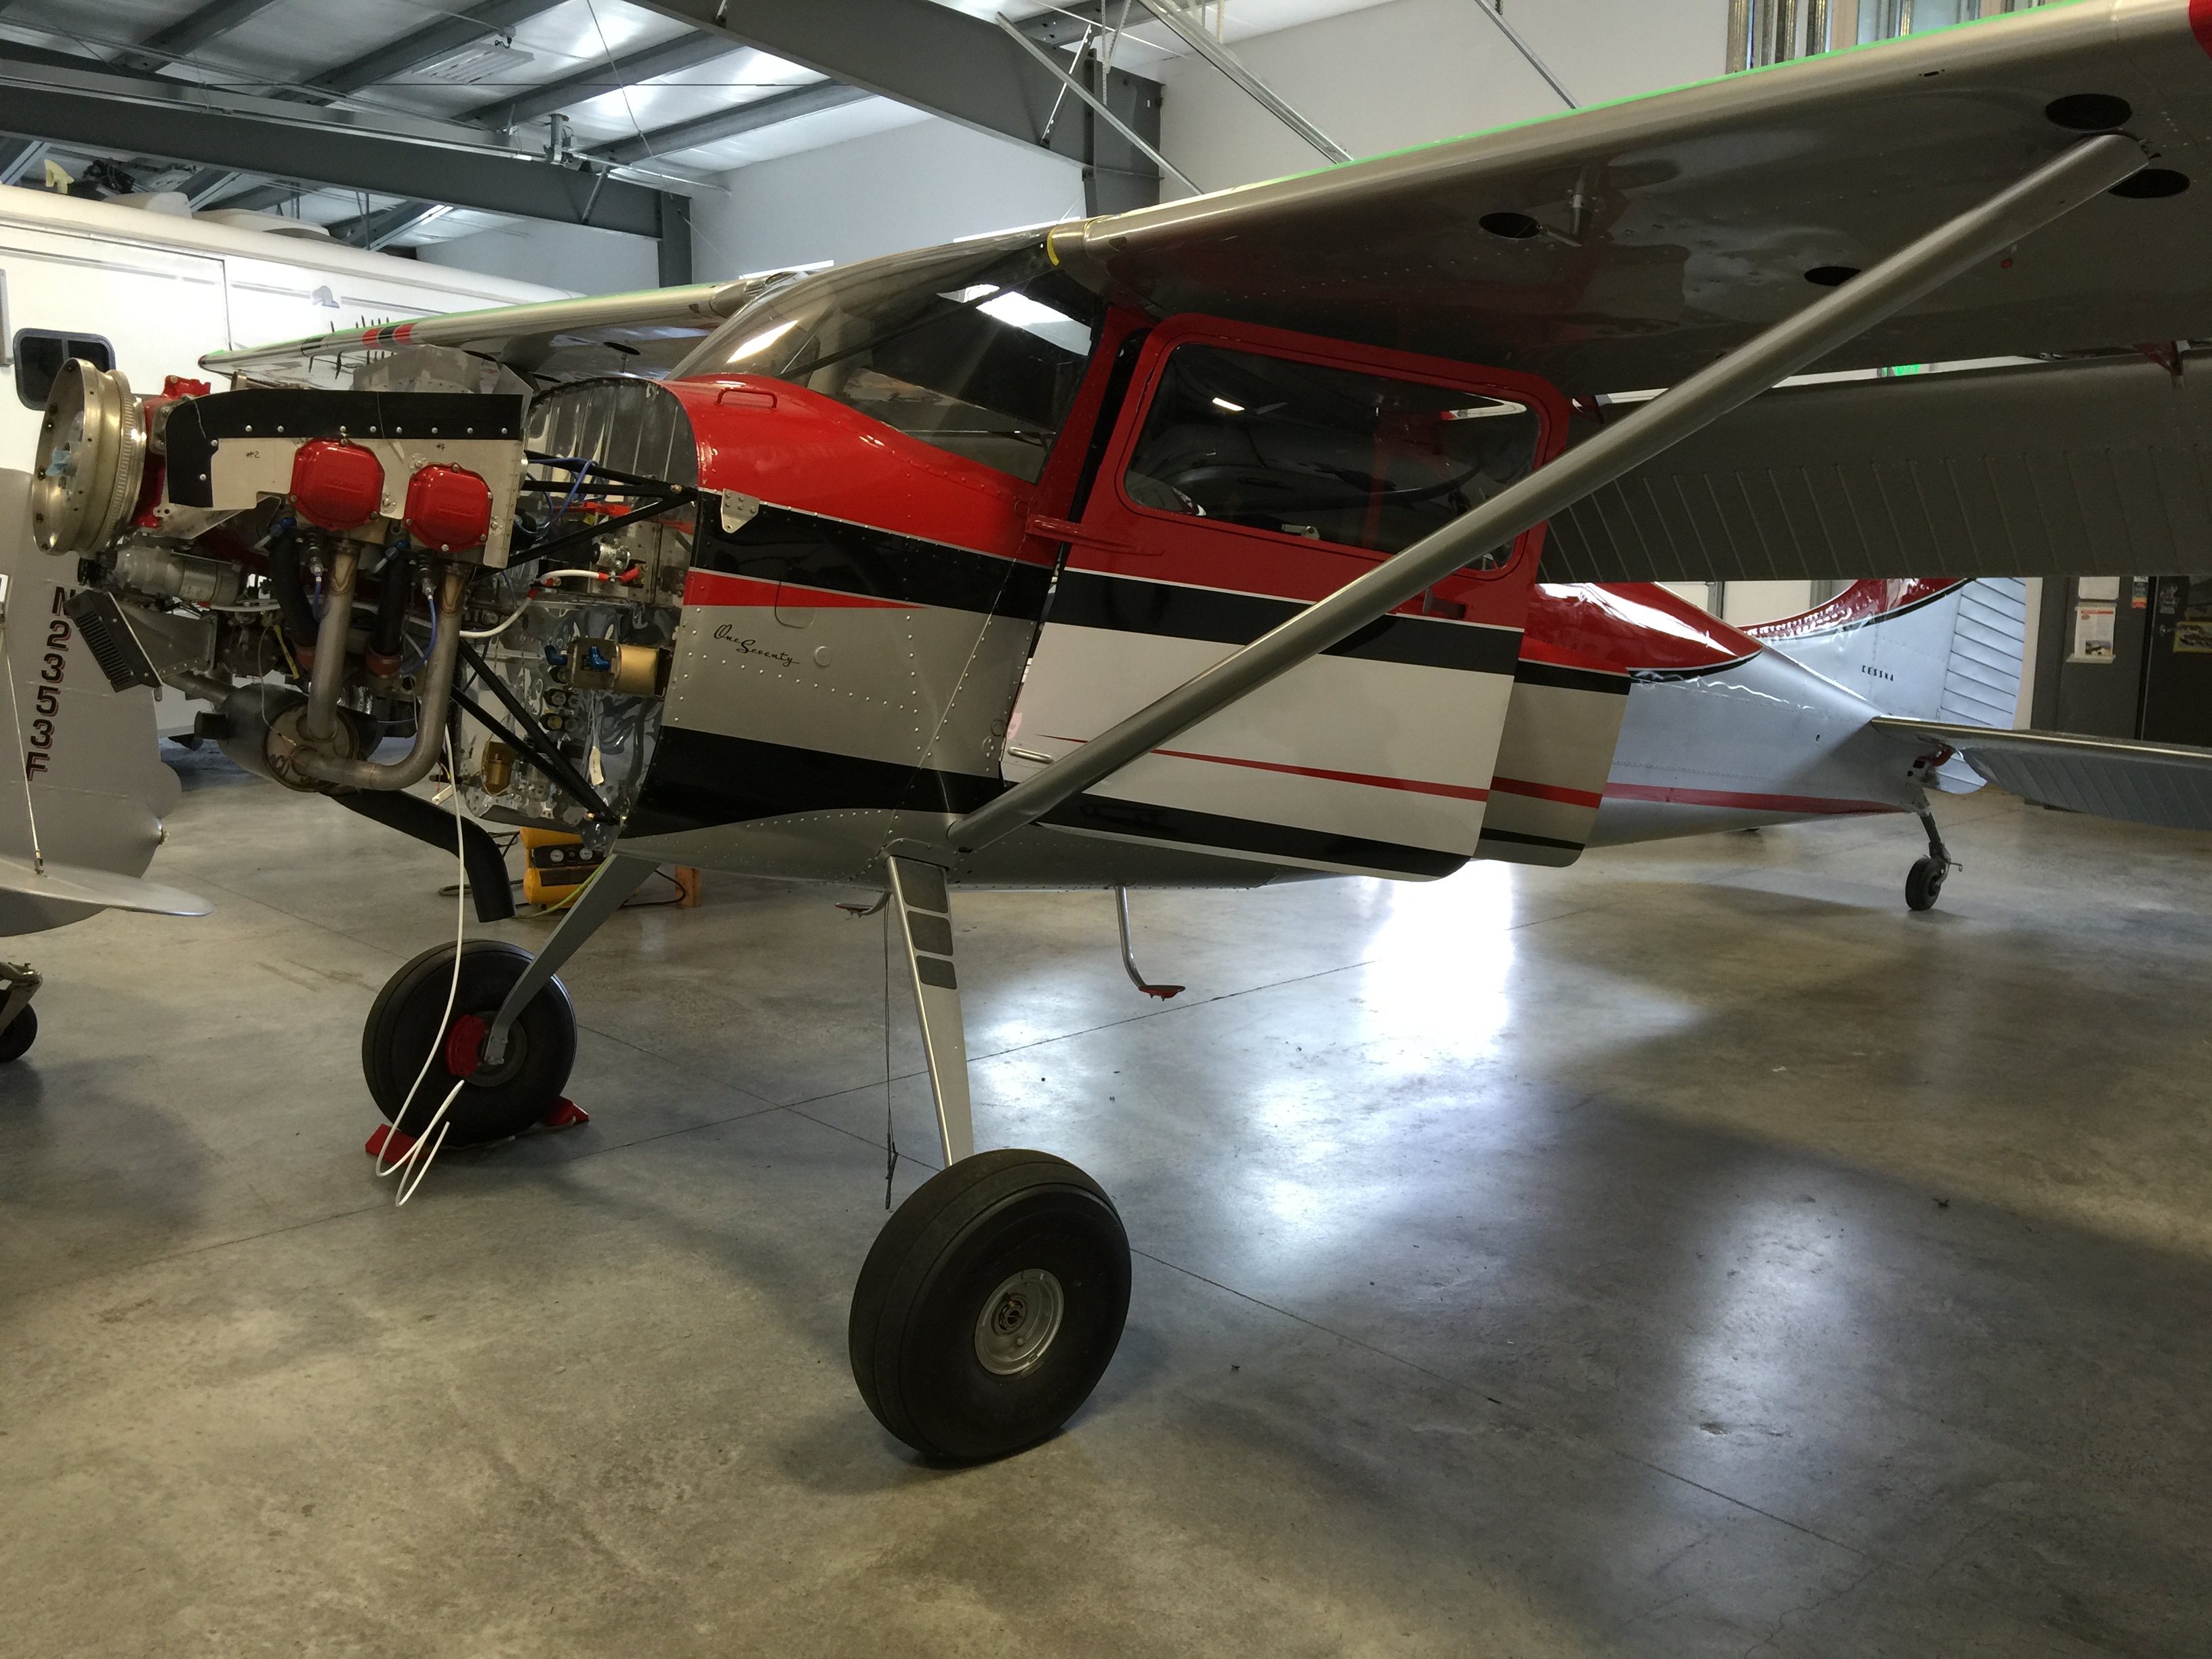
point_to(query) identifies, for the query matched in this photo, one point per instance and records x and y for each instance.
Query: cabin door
(1249, 473)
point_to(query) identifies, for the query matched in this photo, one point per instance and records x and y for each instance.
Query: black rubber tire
(1923, 884)
(23, 1031)
(405, 1021)
(962, 1235)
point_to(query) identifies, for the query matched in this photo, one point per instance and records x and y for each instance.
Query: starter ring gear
(91, 459)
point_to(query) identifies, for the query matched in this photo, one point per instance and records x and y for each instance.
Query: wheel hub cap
(1019, 1320)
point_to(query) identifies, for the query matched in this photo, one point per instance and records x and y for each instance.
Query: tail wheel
(408, 1023)
(990, 1305)
(22, 1030)
(1924, 884)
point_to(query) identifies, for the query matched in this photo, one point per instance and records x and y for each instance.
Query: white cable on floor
(453, 994)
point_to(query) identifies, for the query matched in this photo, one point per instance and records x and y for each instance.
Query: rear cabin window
(39, 355)
(1331, 454)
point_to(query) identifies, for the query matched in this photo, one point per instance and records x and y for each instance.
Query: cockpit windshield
(976, 349)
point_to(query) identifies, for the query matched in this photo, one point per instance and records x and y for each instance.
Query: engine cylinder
(448, 507)
(337, 485)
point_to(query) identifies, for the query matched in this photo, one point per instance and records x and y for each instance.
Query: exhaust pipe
(320, 725)
(433, 693)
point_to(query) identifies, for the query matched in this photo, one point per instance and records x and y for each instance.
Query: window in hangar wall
(1762, 32)
(40, 354)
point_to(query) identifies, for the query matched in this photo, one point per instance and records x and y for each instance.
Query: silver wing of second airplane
(647, 333)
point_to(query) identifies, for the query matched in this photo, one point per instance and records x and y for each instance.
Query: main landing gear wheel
(990, 1305)
(499, 1101)
(22, 1030)
(1924, 884)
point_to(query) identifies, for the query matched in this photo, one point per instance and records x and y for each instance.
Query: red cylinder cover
(448, 507)
(336, 484)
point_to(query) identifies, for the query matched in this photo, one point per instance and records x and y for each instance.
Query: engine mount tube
(329, 676)
(433, 695)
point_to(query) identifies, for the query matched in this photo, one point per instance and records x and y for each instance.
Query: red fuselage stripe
(715, 588)
(1743, 802)
(1453, 791)
(2200, 23)
(1544, 792)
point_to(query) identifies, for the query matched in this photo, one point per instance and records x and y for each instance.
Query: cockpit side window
(1326, 454)
(978, 352)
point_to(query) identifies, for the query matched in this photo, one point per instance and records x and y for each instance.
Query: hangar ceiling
(395, 123)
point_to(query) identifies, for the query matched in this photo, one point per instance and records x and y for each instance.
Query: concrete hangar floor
(1689, 1252)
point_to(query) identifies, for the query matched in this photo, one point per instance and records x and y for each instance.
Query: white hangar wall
(927, 181)
(1413, 71)
(577, 257)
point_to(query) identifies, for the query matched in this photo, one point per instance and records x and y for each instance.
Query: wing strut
(1980, 233)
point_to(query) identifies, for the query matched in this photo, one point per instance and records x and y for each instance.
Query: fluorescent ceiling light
(1224, 403)
(761, 341)
(1020, 311)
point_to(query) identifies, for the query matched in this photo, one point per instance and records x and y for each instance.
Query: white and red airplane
(1200, 546)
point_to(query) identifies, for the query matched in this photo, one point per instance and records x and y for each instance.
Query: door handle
(1066, 530)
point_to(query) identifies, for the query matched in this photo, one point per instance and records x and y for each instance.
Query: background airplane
(81, 813)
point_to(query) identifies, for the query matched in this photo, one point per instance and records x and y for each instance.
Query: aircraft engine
(360, 581)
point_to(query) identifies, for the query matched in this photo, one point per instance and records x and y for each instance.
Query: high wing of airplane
(1198, 546)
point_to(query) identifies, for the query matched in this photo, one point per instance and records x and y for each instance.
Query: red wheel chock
(385, 1139)
(567, 1114)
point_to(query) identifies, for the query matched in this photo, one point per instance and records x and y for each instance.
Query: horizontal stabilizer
(74, 885)
(2164, 784)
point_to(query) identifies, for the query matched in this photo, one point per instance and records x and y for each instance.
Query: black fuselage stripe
(1128, 605)
(1572, 679)
(779, 544)
(704, 779)
(1520, 840)
(1107, 816)
(700, 779)
(1654, 675)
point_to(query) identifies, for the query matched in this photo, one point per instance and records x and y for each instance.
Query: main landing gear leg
(1924, 884)
(993, 1298)
(604, 895)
